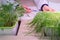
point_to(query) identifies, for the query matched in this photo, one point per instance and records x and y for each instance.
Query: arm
(45, 7)
(42, 3)
(39, 3)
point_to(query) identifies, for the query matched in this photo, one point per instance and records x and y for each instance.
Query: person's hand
(47, 8)
(28, 10)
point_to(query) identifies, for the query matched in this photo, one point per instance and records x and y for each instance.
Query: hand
(28, 10)
(47, 8)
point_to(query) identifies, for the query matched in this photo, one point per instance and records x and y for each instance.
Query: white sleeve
(39, 3)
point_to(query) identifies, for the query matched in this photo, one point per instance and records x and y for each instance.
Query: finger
(52, 10)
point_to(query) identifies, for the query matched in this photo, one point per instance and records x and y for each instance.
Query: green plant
(20, 10)
(46, 20)
(8, 17)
